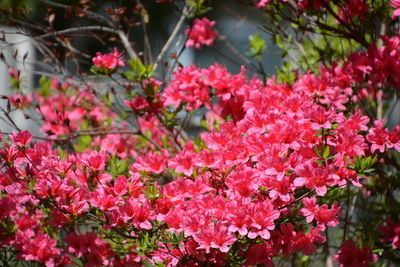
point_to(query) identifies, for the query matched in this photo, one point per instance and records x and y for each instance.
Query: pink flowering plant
(299, 168)
(201, 33)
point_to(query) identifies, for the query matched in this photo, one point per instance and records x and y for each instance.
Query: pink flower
(357, 122)
(138, 103)
(14, 73)
(95, 160)
(20, 101)
(262, 3)
(314, 177)
(187, 86)
(243, 182)
(321, 118)
(55, 84)
(94, 249)
(108, 61)
(378, 136)
(9, 153)
(238, 217)
(353, 8)
(42, 248)
(139, 214)
(76, 208)
(350, 255)
(396, 5)
(306, 242)
(201, 33)
(391, 231)
(310, 208)
(152, 162)
(183, 163)
(327, 216)
(103, 201)
(394, 138)
(21, 138)
(262, 216)
(261, 254)
(216, 236)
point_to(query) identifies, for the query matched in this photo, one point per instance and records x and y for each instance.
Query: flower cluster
(201, 33)
(125, 175)
(391, 232)
(258, 175)
(396, 5)
(347, 11)
(350, 255)
(67, 107)
(108, 61)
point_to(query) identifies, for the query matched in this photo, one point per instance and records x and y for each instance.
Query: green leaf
(84, 142)
(102, 71)
(279, 41)
(335, 126)
(117, 166)
(151, 192)
(61, 153)
(316, 150)
(138, 71)
(45, 86)
(257, 46)
(326, 151)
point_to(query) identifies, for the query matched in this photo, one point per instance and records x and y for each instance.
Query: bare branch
(172, 37)
(127, 44)
(90, 14)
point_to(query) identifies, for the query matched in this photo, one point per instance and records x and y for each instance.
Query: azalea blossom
(396, 5)
(109, 61)
(21, 138)
(201, 33)
(350, 255)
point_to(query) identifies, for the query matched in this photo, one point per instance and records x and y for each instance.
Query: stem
(347, 214)
(171, 38)
(91, 14)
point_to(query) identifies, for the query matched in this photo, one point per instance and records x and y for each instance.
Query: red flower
(14, 73)
(183, 163)
(89, 245)
(392, 232)
(350, 255)
(262, 216)
(42, 248)
(108, 61)
(261, 254)
(216, 236)
(20, 101)
(201, 33)
(378, 136)
(152, 162)
(21, 138)
(394, 138)
(353, 8)
(306, 242)
(396, 5)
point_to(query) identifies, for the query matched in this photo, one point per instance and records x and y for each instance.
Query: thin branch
(172, 37)
(146, 41)
(127, 44)
(70, 30)
(121, 34)
(234, 50)
(10, 119)
(78, 134)
(90, 14)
